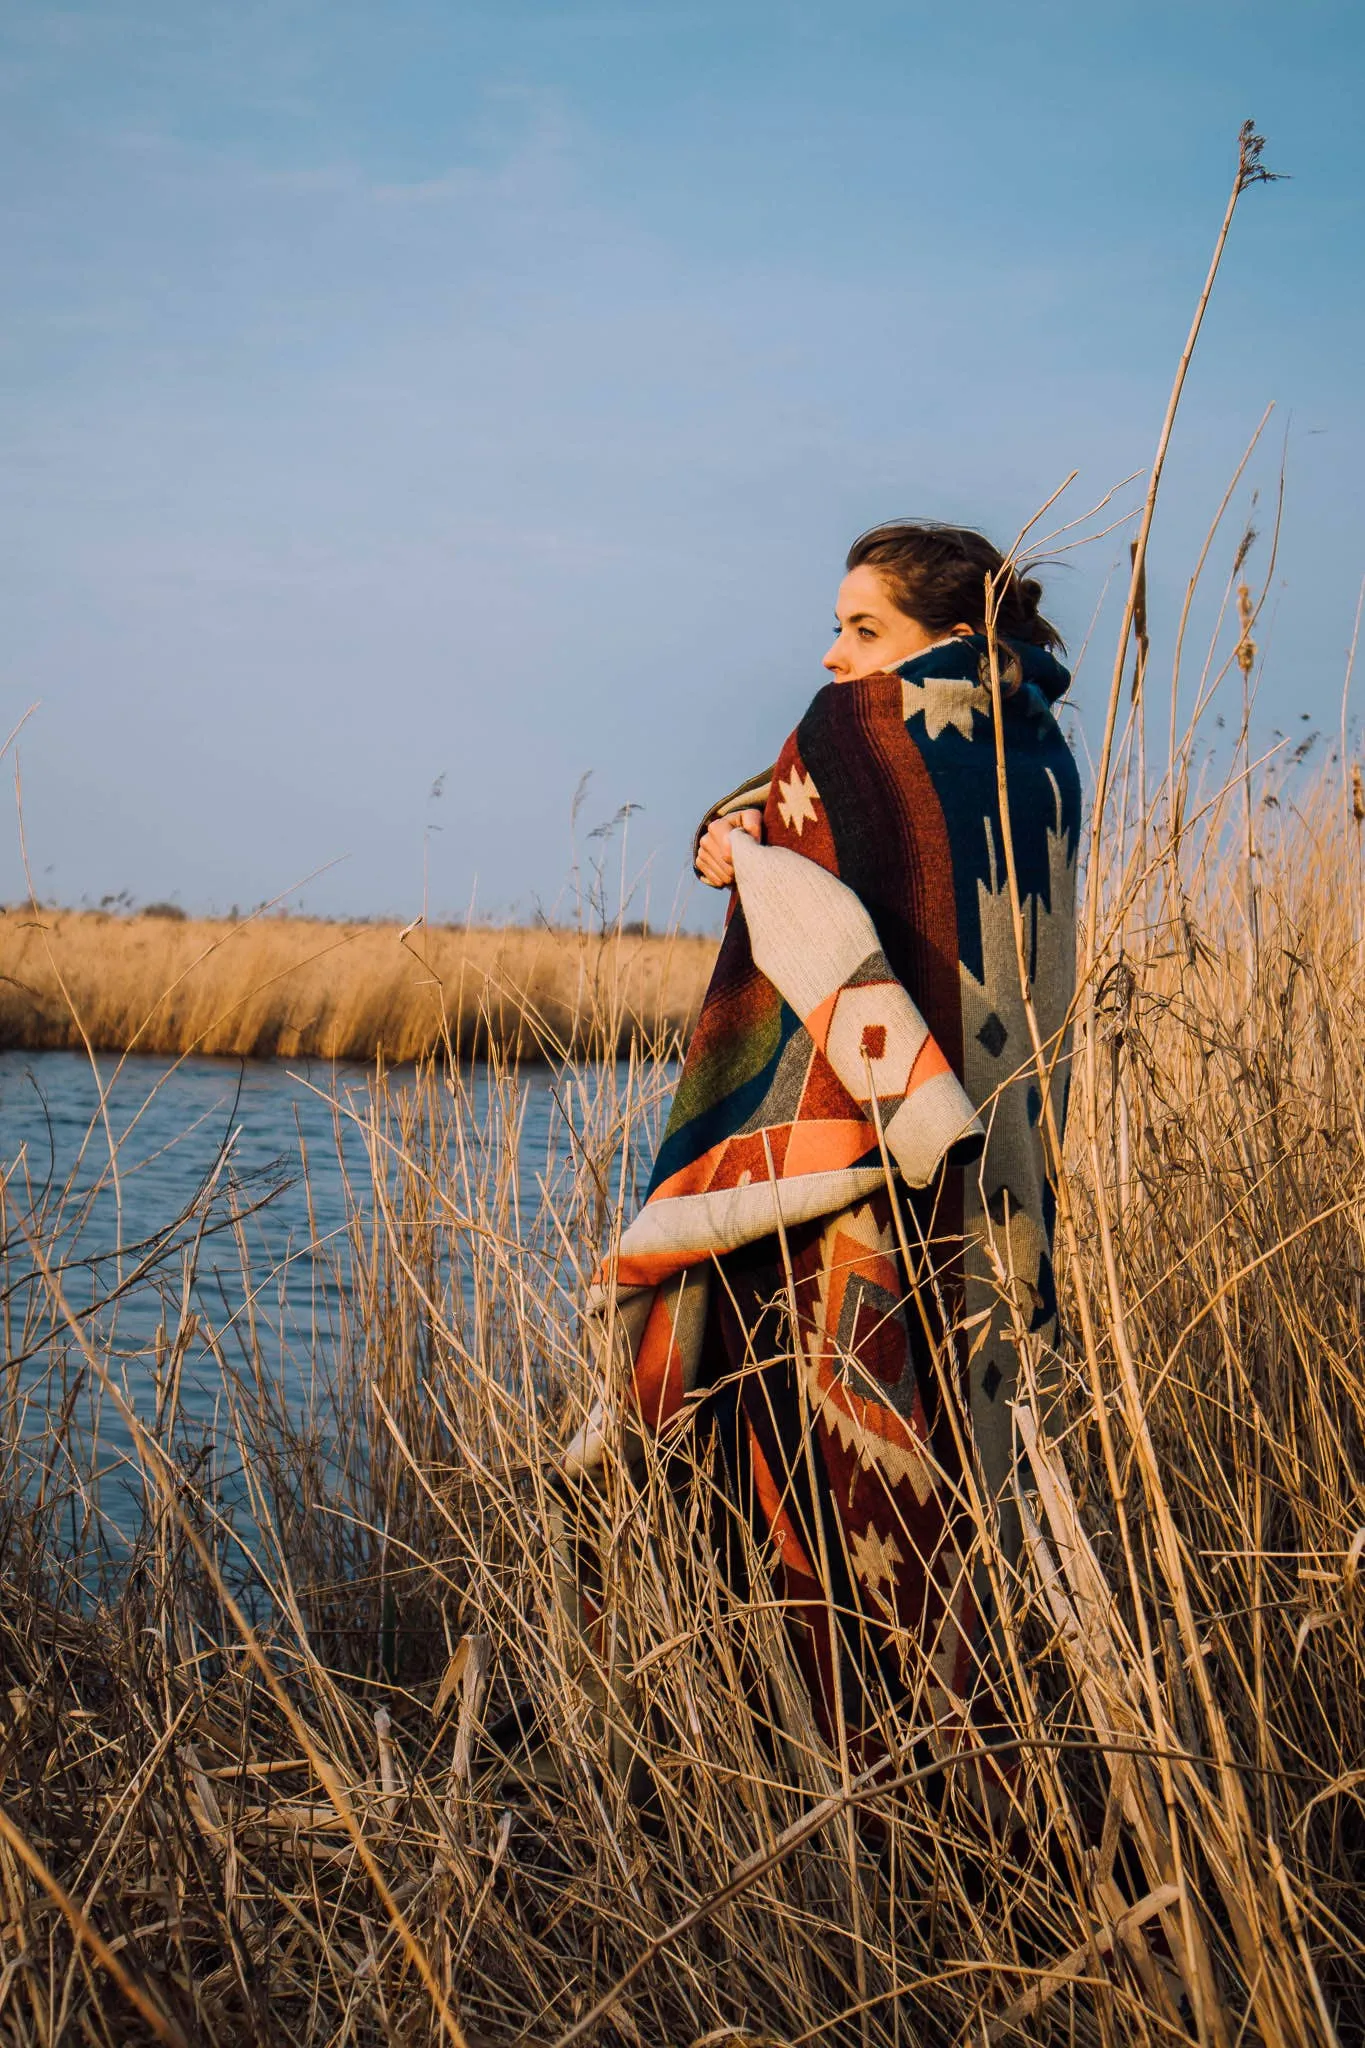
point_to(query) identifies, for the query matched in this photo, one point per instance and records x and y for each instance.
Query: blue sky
(491, 391)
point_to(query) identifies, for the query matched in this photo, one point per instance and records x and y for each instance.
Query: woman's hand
(715, 862)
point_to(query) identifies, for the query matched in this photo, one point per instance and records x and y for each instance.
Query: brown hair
(937, 574)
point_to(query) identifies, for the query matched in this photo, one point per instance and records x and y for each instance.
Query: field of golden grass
(291, 988)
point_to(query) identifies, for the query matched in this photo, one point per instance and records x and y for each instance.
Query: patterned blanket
(864, 1032)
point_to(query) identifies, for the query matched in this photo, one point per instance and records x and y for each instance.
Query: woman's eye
(866, 633)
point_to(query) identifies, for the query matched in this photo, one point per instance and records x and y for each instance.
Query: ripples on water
(195, 1140)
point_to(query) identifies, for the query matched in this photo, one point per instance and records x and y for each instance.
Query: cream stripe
(808, 931)
(722, 1218)
(937, 1116)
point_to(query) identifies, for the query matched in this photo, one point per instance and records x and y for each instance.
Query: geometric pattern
(830, 1061)
(796, 800)
(873, 1040)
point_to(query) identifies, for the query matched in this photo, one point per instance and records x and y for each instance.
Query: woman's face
(873, 634)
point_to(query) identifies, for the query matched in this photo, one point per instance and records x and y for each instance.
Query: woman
(849, 1223)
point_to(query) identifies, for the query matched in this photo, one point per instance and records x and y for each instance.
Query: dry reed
(1187, 1670)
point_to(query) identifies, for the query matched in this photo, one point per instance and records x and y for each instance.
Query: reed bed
(245, 1791)
(297, 988)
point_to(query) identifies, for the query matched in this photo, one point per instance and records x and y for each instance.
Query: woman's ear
(961, 632)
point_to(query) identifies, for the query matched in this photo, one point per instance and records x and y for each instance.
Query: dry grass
(292, 987)
(292, 1836)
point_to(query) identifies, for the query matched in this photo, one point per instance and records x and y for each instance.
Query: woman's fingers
(717, 845)
(715, 863)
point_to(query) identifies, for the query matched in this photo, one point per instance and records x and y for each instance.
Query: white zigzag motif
(862, 1226)
(894, 1460)
(875, 1558)
(796, 805)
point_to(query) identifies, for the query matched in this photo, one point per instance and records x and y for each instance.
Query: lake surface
(209, 1172)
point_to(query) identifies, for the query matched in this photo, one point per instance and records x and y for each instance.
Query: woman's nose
(832, 661)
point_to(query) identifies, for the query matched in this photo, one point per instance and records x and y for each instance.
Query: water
(209, 1152)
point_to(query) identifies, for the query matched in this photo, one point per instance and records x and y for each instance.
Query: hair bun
(937, 575)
